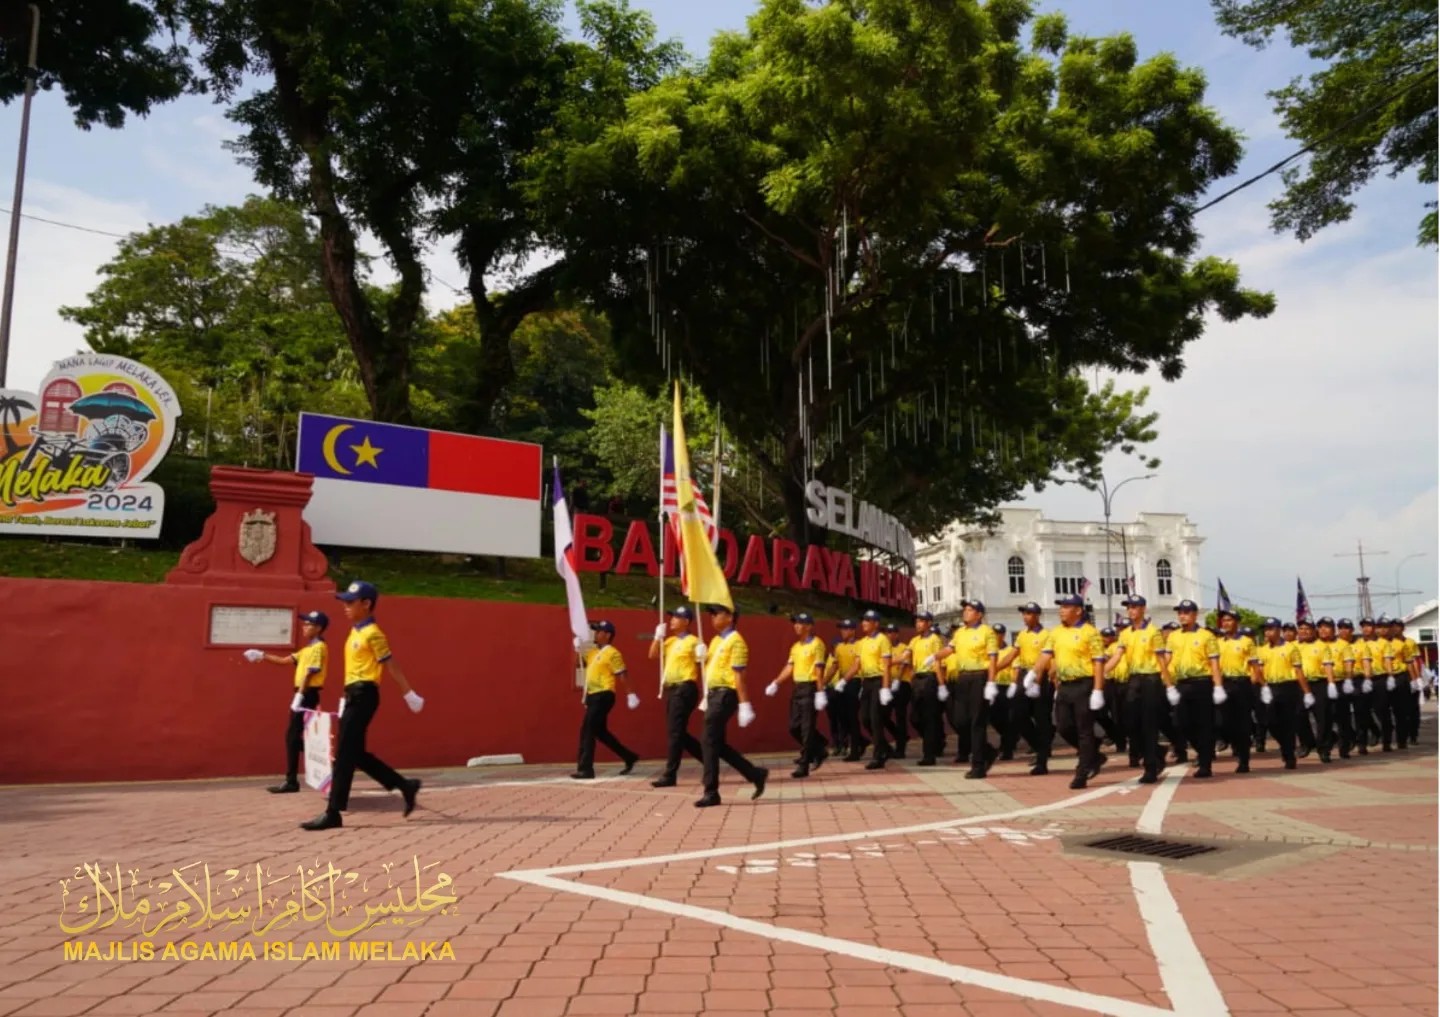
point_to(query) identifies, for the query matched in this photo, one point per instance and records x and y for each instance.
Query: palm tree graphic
(10, 416)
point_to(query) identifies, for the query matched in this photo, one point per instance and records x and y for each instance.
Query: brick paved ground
(915, 892)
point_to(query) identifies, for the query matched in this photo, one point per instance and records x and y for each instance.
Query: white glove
(1266, 696)
(632, 701)
(1011, 690)
(700, 652)
(1331, 691)
(660, 631)
(703, 705)
(1390, 683)
(1367, 686)
(1416, 685)
(1097, 699)
(413, 700)
(747, 714)
(1348, 687)
(840, 685)
(821, 700)
(1033, 691)
(1219, 695)
(1172, 695)
(772, 688)
(296, 703)
(992, 692)
(885, 697)
(943, 692)
(340, 710)
(1032, 681)
(576, 643)
(1309, 700)
(928, 666)
(254, 656)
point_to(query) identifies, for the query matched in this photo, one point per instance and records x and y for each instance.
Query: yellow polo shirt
(1074, 650)
(1343, 654)
(678, 653)
(1380, 656)
(311, 663)
(1029, 646)
(1143, 647)
(841, 660)
(727, 653)
(1278, 663)
(1191, 652)
(1121, 671)
(875, 652)
(1313, 658)
(1236, 652)
(974, 646)
(602, 664)
(922, 648)
(808, 660)
(366, 651)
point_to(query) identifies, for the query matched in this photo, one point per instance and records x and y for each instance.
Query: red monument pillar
(256, 537)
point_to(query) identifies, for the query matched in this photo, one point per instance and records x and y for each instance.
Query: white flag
(565, 562)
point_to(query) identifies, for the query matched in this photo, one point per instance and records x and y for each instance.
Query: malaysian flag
(1302, 603)
(670, 505)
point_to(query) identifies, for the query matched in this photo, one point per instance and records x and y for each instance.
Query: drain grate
(1152, 847)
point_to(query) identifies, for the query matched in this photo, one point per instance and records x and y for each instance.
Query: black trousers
(854, 736)
(1195, 716)
(1362, 711)
(969, 715)
(1034, 719)
(362, 699)
(1113, 720)
(1005, 717)
(594, 727)
(1285, 715)
(295, 735)
(1075, 722)
(1324, 714)
(899, 714)
(1236, 716)
(872, 715)
(929, 716)
(680, 701)
(837, 711)
(1394, 709)
(803, 727)
(720, 706)
(1146, 711)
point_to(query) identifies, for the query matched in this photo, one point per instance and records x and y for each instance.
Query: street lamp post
(1399, 604)
(1107, 495)
(8, 302)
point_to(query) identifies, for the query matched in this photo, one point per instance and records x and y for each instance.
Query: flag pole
(555, 496)
(660, 599)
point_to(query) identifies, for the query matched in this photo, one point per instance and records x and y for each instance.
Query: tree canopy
(1370, 109)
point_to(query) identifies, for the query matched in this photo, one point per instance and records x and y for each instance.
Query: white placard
(317, 751)
(251, 626)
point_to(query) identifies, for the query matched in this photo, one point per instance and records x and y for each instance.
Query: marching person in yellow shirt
(1342, 657)
(973, 653)
(1075, 656)
(311, 662)
(1318, 664)
(1033, 709)
(806, 667)
(725, 664)
(1236, 653)
(1284, 691)
(1192, 659)
(603, 668)
(843, 706)
(897, 715)
(680, 688)
(1140, 646)
(872, 667)
(922, 655)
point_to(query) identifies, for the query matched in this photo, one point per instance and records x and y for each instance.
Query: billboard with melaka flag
(411, 489)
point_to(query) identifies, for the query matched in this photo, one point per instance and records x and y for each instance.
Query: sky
(1288, 440)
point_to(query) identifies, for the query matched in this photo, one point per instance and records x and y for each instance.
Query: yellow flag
(703, 574)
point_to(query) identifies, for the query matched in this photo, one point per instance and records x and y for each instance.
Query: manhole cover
(1150, 847)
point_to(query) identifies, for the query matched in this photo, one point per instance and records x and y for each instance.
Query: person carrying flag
(680, 652)
(806, 667)
(725, 697)
(603, 668)
(311, 662)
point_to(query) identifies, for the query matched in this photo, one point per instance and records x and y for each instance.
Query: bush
(186, 480)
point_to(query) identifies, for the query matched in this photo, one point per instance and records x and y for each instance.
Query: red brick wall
(113, 681)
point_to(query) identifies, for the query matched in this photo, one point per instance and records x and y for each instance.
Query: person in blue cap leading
(603, 668)
(311, 662)
(806, 668)
(367, 660)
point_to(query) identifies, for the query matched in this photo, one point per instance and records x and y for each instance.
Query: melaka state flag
(408, 488)
(565, 562)
(704, 578)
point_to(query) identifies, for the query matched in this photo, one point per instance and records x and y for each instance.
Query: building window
(962, 580)
(1112, 578)
(937, 585)
(1164, 578)
(1016, 568)
(1427, 636)
(1069, 575)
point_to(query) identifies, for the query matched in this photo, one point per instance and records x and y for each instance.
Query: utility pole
(1362, 580)
(7, 302)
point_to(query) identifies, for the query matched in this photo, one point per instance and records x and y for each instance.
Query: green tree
(886, 235)
(112, 59)
(1372, 107)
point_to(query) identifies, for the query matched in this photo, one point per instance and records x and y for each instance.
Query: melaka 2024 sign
(76, 455)
(773, 563)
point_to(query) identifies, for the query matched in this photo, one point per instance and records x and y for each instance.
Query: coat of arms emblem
(257, 537)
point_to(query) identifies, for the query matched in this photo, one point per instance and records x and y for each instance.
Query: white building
(1421, 625)
(1028, 557)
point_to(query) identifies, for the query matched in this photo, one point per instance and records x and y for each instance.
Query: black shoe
(1325, 757)
(1203, 773)
(1039, 770)
(325, 821)
(991, 754)
(1220, 746)
(707, 801)
(663, 782)
(1149, 777)
(1260, 749)
(1290, 764)
(1243, 768)
(1078, 784)
(1364, 751)
(1305, 752)
(975, 773)
(819, 760)
(875, 764)
(1098, 764)
(1344, 753)
(583, 775)
(928, 761)
(408, 791)
(799, 772)
(798, 759)
(1182, 758)
(760, 783)
(287, 788)
(629, 765)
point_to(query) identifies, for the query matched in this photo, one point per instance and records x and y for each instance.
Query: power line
(67, 225)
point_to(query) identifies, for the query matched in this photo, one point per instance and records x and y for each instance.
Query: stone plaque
(251, 626)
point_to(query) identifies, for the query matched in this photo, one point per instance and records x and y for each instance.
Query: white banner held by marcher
(317, 750)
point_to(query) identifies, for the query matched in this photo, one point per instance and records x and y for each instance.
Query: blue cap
(1107, 631)
(603, 626)
(1225, 612)
(1367, 621)
(1030, 608)
(999, 628)
(871, 615)
(316, 618)
(978, 605)
(892, 627)
(1326, 620)
(803, 618)
(924, 616)
(683, 611)
(1070, 600)
(1345, 623)
(718, 608)
(1384, 619)
(1169, 626)
(847, 623)
(1246, 630)
(1135, 600)
(1273, 623)
(1187, 605)
(359, 590)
